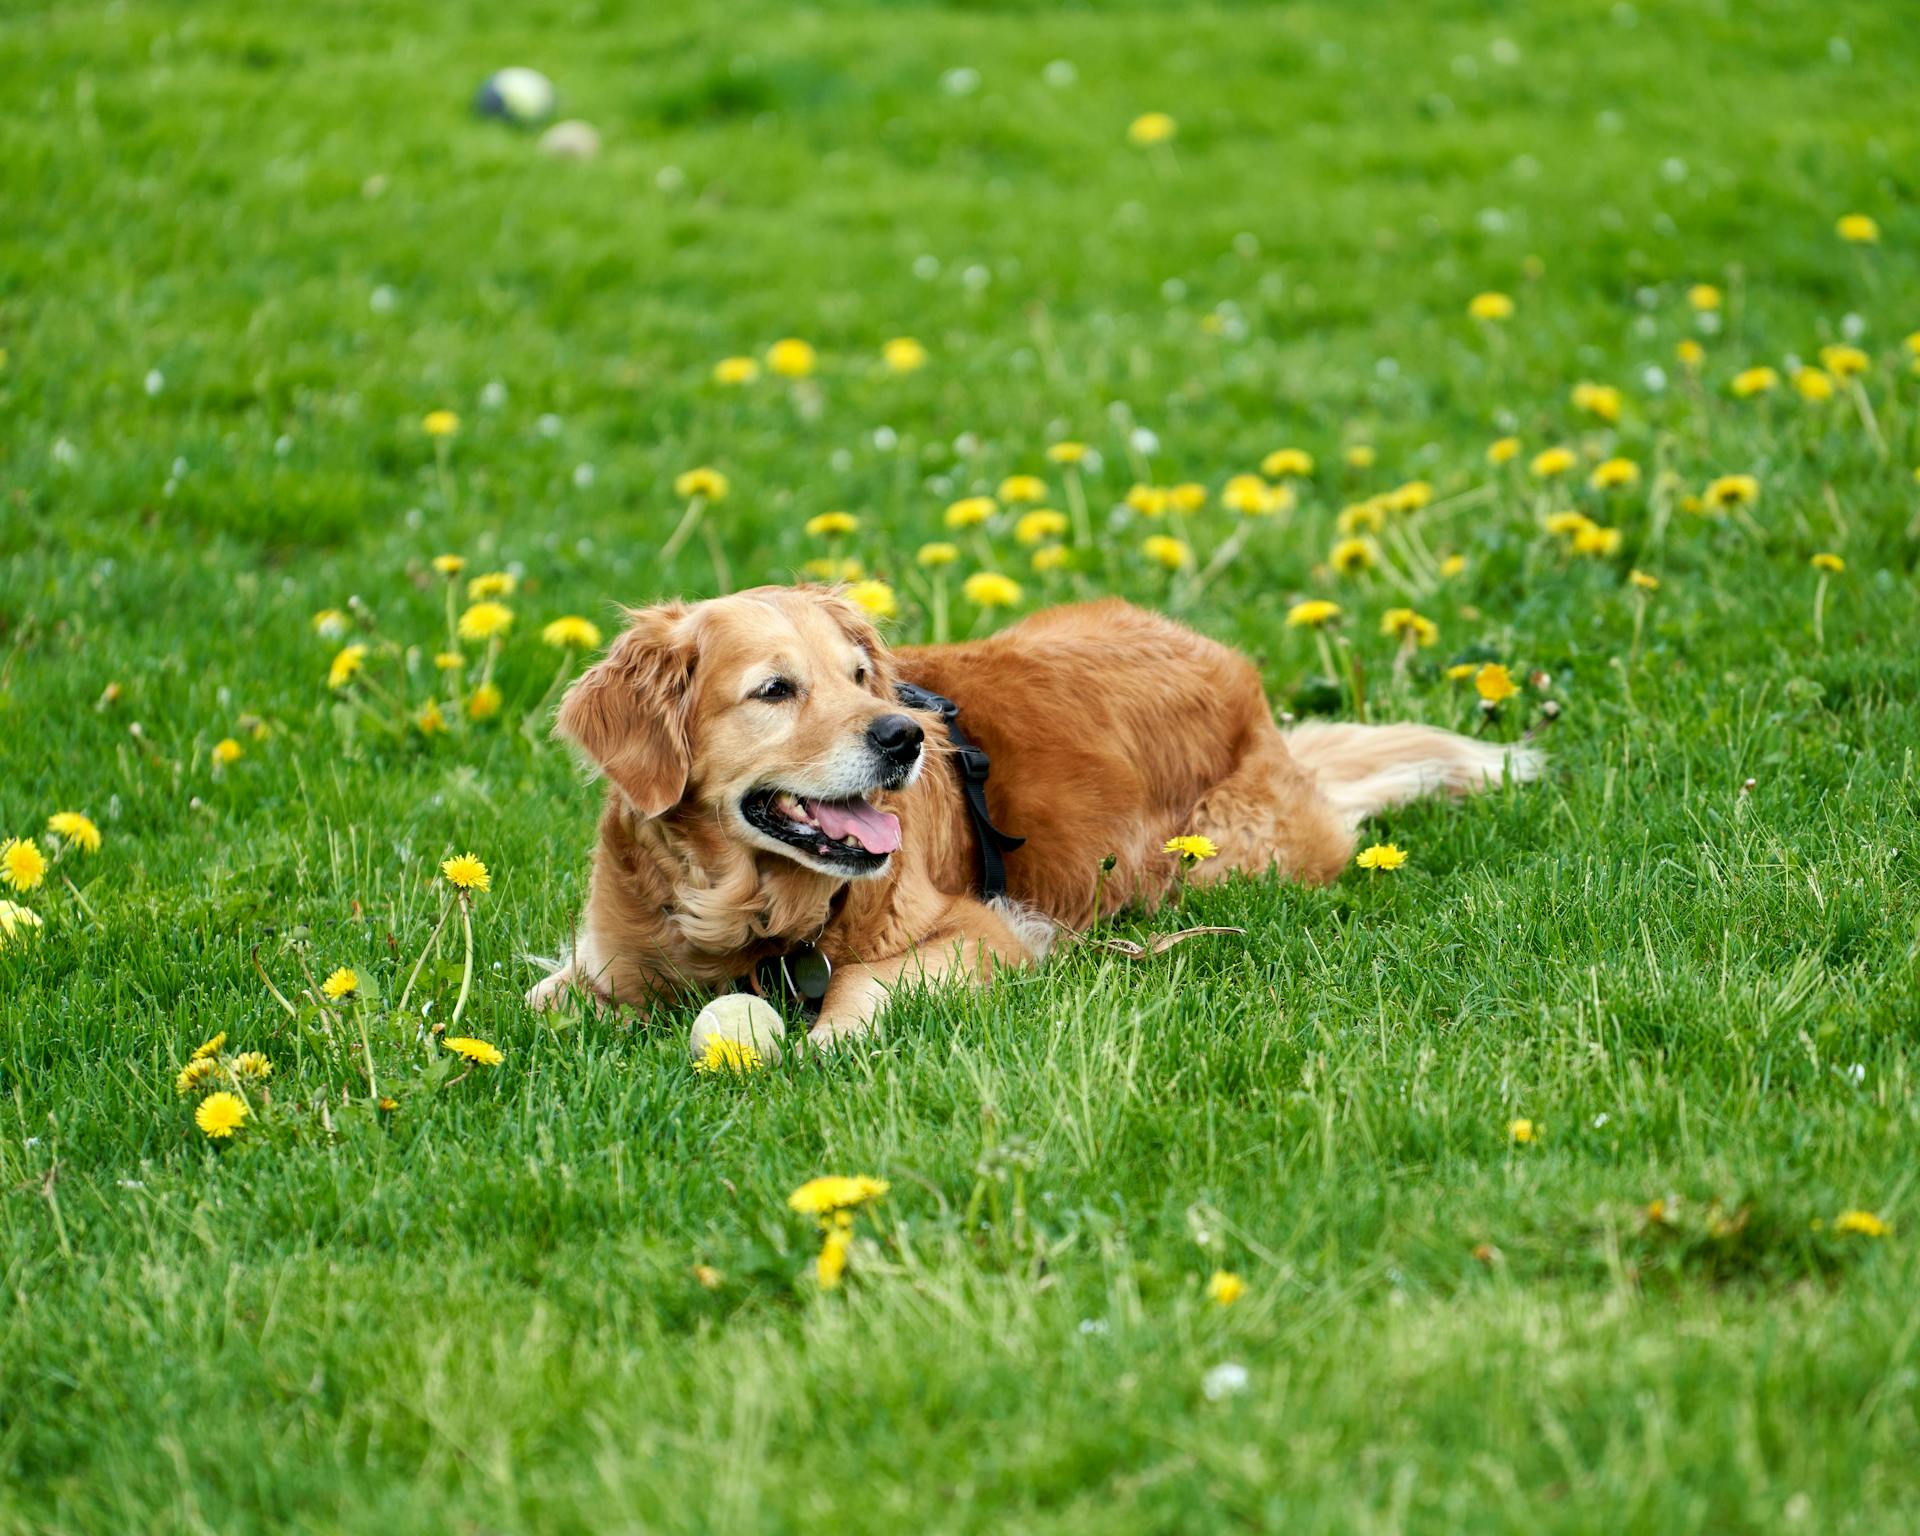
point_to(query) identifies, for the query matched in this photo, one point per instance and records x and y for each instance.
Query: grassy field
(250, 249)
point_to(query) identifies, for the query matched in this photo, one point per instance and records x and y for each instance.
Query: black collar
(973, 763)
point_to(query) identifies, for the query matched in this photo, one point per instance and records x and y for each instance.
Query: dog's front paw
(551, 992)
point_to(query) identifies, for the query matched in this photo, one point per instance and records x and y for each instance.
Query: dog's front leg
(971, 940)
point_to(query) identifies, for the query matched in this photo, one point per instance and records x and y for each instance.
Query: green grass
(478, 1312)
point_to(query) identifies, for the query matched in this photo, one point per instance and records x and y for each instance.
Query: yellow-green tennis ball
(743, 1019)
(519, 96)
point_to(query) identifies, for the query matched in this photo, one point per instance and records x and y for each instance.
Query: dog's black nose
(896, 737)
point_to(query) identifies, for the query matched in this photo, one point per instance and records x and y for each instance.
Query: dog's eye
(774, 689)
(860, 676)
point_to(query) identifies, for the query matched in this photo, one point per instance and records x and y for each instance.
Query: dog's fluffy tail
(1362, 769)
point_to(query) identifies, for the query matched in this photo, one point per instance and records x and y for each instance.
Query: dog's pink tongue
(877, 831)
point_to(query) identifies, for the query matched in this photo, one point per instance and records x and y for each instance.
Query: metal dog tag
(808, 972)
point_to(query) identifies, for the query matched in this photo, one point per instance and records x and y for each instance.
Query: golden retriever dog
(766, 789)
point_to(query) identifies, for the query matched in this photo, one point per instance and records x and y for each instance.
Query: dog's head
(772, 711)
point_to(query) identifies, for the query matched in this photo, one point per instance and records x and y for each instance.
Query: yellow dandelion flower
(1600, 400)
(1749, 382)
(1704, 297)
(76, 829)
(253, 1065)
(197, 1076)
(1643, 581)
(1249, 495)
(571, 633)
(430, 719)
(836, 1192)
(1191, 847)
(16, 921)
(440, 423)
(831, 524)
(492, 584)
(346, 665)
(1224, 1287)
(22, 865)
(735, 1056)
(1690, 352)
(1490, 306)
(1828, 562)
(1597, 541)
(1861, 1223)
(1461, 670)
(989, 589)
(1524, 1131)
(1021, 490)
(484, 702)
(1370, 514)
(1051, 557)
(1148, 500)
(1411, 497)
(449, 565)
(221, 1114)
(876, 597)
(1494, 683)
(1151, 128)
(1173, 554)
(1039, 525)
(342, 983)
(1814, 384)
(904, 355)
(1066, 453)
(483, 621)
(970, 511)
(1844, 362)
(1452, 566)
(1312, 614)
(1287, 463)
(1503, 450)
(1857, 229)
(467, 873)
(792, 358)
(937, 553)
(480, 1052)
(1381, 856)
(211, 1047)
(735, 370)
(1404, 621)
(1569, 524)
(1614, 475)
(1732, 491)
(1188, 496)
(449, 661)
(1550, 462)
(1360, 456)
(329, 623)
(704, 482)
(1351, 555)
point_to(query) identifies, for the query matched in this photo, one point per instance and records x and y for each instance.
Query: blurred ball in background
(519, 96)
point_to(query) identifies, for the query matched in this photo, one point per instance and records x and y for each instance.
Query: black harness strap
(973, 763)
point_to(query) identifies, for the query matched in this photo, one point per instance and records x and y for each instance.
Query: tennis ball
(742, 1018)
(519, 96)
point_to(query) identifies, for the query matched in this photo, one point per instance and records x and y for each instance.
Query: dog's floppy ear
(628, 712)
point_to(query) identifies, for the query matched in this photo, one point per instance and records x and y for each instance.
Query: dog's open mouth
(850, 834)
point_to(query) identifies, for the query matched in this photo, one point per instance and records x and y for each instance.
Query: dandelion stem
(414, 975)
(466, 970)
(261, 971)
(79, 900)
(1819, 611)
(1865, 407)
(1077, 504)
(939, 607)
(722, 574)
(688, 521)
(442, 453)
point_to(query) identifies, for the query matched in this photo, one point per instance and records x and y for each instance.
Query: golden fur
(1110, 730)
